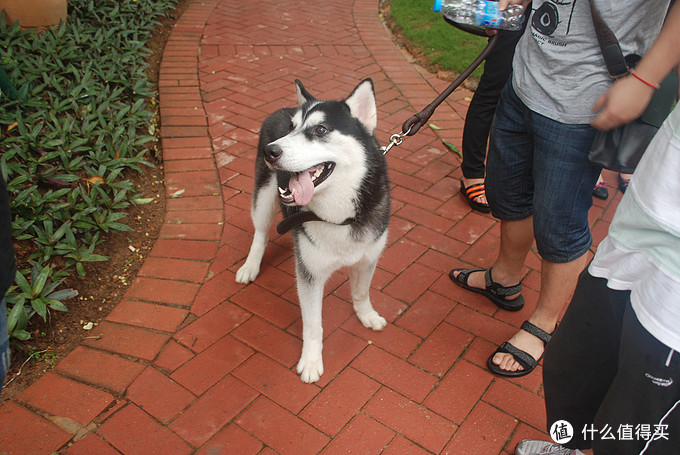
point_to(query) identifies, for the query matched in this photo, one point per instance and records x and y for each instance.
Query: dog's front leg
(263, 210)
(310, 293)
(360, 276)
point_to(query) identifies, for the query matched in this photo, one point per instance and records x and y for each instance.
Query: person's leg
(517, 236)
(509, 186)
(497, 69)
(580, 363)
(650, 372)
(476, 133)
(558, 281)
(563, 180)
(581, 360)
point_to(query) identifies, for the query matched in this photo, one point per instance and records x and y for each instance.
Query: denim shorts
(539, 167)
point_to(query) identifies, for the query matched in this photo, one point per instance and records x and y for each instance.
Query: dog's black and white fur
(323, 158)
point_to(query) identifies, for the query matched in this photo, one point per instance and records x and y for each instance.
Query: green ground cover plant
(445, 47)
(80, 124)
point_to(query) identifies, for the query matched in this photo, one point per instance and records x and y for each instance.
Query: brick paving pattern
(192, 362)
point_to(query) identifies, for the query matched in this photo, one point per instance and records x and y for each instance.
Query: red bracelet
(654, 86)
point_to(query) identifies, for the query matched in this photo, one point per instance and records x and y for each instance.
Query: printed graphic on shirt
(551, 22)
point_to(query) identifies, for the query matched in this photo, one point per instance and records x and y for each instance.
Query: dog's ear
(302, 93)
(362, 104)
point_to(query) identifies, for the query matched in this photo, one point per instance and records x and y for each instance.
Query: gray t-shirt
(558, 69)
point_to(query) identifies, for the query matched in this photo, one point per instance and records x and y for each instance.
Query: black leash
(413, 124)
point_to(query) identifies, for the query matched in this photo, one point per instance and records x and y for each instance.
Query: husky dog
(322, 164)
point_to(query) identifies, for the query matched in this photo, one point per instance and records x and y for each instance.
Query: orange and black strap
(475, 191)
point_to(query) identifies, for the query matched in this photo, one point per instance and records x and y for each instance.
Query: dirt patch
(106, 282)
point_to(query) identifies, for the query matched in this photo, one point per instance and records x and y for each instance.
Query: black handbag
(622, 148)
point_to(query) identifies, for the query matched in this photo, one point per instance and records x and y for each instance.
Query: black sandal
(493, 291)
(523, 358)
(472, 193)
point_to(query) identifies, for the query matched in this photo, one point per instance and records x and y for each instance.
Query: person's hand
(502, 4)
(622, 103)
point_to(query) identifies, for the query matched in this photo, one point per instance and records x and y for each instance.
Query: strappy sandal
(523, 358)
(493, 291)
(472, 194)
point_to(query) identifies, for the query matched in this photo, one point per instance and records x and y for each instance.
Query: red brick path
(192, 362)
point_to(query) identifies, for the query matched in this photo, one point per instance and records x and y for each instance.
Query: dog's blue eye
(320, 130)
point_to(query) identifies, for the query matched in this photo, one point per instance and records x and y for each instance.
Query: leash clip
(395, 139)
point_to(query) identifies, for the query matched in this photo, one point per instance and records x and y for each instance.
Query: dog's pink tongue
(302, 187)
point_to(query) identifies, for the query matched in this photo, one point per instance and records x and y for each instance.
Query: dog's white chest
(329, 246)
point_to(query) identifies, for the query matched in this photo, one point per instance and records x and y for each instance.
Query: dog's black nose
(273, 152)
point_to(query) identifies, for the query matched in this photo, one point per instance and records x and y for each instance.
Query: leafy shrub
(84, 118)
(35, 297)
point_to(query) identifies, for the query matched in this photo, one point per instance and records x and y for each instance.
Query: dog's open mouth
(298, 187)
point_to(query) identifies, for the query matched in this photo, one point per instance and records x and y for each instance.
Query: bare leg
(558, 281)
(516, 240)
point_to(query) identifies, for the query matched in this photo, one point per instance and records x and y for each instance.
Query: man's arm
(629, 96)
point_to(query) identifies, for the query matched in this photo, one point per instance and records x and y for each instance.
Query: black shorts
(617, 385)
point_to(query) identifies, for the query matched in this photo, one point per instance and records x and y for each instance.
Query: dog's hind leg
(263, 210)
(360, 275)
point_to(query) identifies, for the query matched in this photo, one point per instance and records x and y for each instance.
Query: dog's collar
(298, 218)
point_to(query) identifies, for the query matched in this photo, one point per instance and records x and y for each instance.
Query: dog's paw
(372, 320)
(247, 273)
(310, 369)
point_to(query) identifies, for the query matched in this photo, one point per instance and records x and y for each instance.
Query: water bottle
(484, 13)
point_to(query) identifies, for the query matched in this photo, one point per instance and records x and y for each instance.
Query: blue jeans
(539, 167)
(4, 343)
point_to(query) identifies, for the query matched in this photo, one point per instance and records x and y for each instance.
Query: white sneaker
(532, 447)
